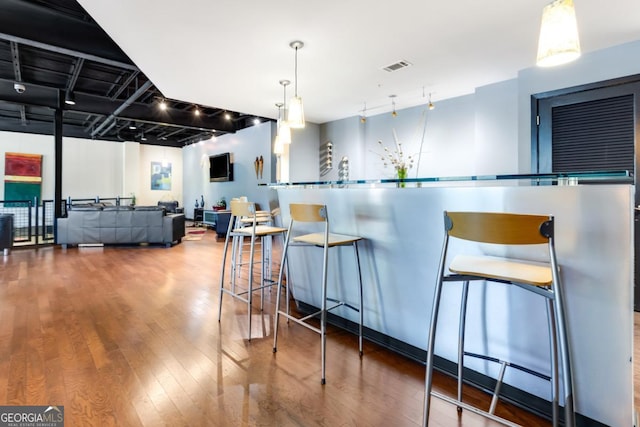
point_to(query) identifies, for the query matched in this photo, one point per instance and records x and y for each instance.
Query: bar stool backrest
(499, 228)
(308, 212)
(240, 209)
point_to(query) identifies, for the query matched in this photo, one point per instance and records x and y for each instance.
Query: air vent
(397, 66)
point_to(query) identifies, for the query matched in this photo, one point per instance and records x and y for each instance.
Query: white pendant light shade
(284, 132)
(558, 43)
(278, 146)
(295, 118)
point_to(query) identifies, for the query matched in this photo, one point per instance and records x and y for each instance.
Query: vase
(402, 175)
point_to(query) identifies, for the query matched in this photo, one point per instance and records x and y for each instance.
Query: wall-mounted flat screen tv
(221, 167)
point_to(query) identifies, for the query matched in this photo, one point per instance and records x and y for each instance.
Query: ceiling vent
(397, 66)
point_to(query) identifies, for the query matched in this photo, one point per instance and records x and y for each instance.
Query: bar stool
(541, 279)
(313, 213)
(254, 231)
(262, 217)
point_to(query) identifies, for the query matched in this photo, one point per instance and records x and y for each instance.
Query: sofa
(171, 206)
(119, 225)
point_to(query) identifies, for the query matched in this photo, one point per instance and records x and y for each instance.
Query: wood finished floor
(128, 336)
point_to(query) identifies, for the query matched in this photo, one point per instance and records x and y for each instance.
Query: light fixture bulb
(431, 104)
(227, 116)
(558, 42)
(69, 99)
(256, 121)
(163, 105)
(196, 111)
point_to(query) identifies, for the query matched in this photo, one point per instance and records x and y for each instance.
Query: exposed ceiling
(52, 48)
(233, 53)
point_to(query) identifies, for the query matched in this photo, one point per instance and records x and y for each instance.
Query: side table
(197, 216)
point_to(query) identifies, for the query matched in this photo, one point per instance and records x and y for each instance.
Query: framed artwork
(160, 176)
(22, 176)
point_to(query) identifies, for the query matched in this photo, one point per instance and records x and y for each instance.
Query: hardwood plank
(128, 336)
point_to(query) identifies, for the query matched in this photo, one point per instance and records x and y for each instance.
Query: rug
(194, 234)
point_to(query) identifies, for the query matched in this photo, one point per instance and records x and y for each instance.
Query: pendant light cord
(295, 73)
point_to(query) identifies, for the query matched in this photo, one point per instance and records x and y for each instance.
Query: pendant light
(558, 42)
(278, 146)
(394, 113)
(284, 130)
(295, 117)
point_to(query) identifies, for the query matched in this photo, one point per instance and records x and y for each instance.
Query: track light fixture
(69, 98)
(295, 117)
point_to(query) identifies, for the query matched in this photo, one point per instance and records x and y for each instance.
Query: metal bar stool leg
(323, 314)
(250, 291)
(461, 331)
(361, 308)
(553, 350)
(279, 295)
(224, 261)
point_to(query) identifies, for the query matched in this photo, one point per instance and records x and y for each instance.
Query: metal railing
(33, 221)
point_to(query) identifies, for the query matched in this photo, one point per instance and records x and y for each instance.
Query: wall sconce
(326, 158)
(558, 42)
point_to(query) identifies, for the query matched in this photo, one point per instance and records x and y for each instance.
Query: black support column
(57, 136)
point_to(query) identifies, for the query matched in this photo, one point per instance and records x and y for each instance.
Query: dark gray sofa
(119, 225)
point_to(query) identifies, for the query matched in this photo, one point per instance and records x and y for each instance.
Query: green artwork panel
(21, 191)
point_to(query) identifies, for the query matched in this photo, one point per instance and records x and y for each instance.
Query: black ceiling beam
(58, 32)
(42, 96)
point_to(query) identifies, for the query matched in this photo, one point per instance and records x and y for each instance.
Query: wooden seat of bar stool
(254, 231)
(315, 213)
(539, 278)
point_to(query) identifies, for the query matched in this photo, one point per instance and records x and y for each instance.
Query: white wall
(92, 168)
(245, 145)
(618, 61)
(152, 153)
(487, 132)
(11, 142)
